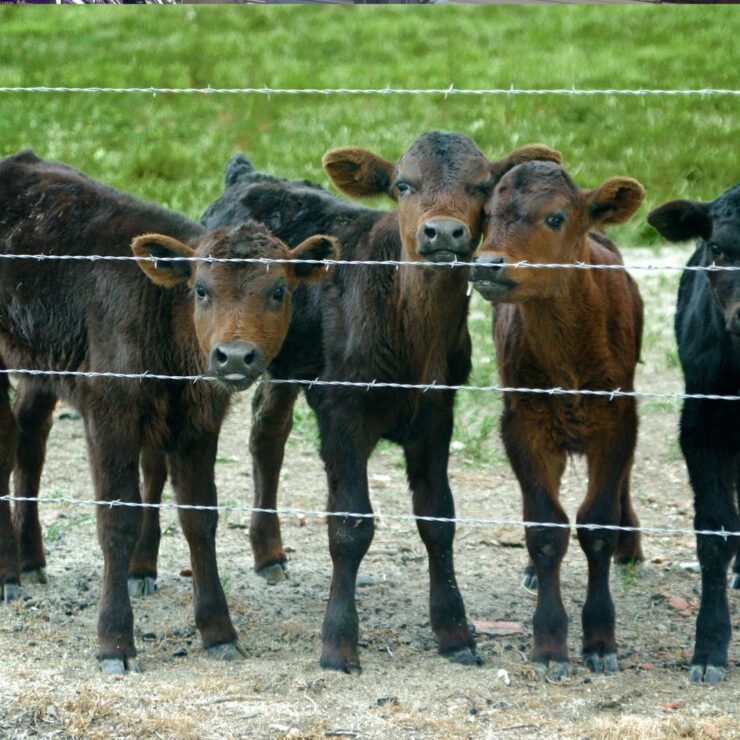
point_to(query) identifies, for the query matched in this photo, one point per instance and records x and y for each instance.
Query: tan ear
(358, 172)
(164, 272)
(320, 247)
(527, 153)
(614, 201)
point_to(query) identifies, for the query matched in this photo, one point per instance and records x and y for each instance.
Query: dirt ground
(50, 685)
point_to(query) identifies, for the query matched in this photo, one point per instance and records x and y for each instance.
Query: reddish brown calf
(225, 319)
(567, 328)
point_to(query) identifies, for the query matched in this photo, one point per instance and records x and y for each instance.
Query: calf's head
(439, 184)
(537, 214)
(240, 310)
(716, 225)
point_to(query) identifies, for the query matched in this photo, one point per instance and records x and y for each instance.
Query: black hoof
(710, 674)
(274, 573)
(553, 671)
(119, 666)
(464, 656)
(228, 651)
(145, 586)
(37, 575)
(335, 663)
(10, 592)
(606, 664)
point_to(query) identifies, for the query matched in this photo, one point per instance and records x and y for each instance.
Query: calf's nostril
(458, 232)
(249, 357)
(221, 356)
(430, 232)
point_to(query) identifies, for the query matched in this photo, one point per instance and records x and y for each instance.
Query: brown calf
(225, 319)
(568, 328)
(403, 325)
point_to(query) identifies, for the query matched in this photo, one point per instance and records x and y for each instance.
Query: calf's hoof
(529, 579)
(553, 670)
(228, 651)
(735, 581)
(274, 573)
(145, 586)
(606, 664)
(35, 575)
(344, 661)
(464, 656)
(119, 666)
(711, 674)
(10, 592)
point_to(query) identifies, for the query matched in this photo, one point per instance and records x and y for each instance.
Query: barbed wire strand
(522, 264)
(475, 521)
(444, 91)
(378, 384)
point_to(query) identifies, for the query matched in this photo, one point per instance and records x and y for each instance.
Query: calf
(569, 328)
(398, 325)
(708, 335)
(185, 319)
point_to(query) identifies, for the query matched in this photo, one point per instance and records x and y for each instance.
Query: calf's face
(537, 214)
(440, 185)
(717, 227)
(240, 311)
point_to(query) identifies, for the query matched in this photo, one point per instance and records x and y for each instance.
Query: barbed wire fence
(609, 394)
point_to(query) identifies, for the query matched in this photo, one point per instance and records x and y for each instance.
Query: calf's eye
(716, 250)
(279, 293)
(201, 292)
(554, 220)
(403, 187)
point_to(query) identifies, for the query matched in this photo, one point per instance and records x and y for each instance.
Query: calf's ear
(318, 247)
(166, 273)
(614, 201)
(527, 153)
(358, 172)
(681, 220)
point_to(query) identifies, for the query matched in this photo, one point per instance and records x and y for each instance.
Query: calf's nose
(486, 267)
(444, 234)
(236, 360)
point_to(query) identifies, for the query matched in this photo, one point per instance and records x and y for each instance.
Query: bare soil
(50, 685)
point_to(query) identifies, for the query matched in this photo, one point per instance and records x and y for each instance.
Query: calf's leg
(426, 466)
(711, 463)
(272, 420)
(114, 458)
(629, 544)
(345, 458)
(192, 469)
(142, 570)
(9, 560)
(539, 467)
(33, 409)
(609, 464)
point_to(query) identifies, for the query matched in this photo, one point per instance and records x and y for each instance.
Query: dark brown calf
(369, 323)
(225, 319)
(568, 328)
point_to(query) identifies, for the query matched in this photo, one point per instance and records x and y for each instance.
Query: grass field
(172, 148)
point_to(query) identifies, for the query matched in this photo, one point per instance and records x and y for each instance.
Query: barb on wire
(376, 384)
(267, 261)
(443, 91)
(474, 521)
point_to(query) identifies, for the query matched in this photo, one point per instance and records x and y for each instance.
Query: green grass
(172, 148)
